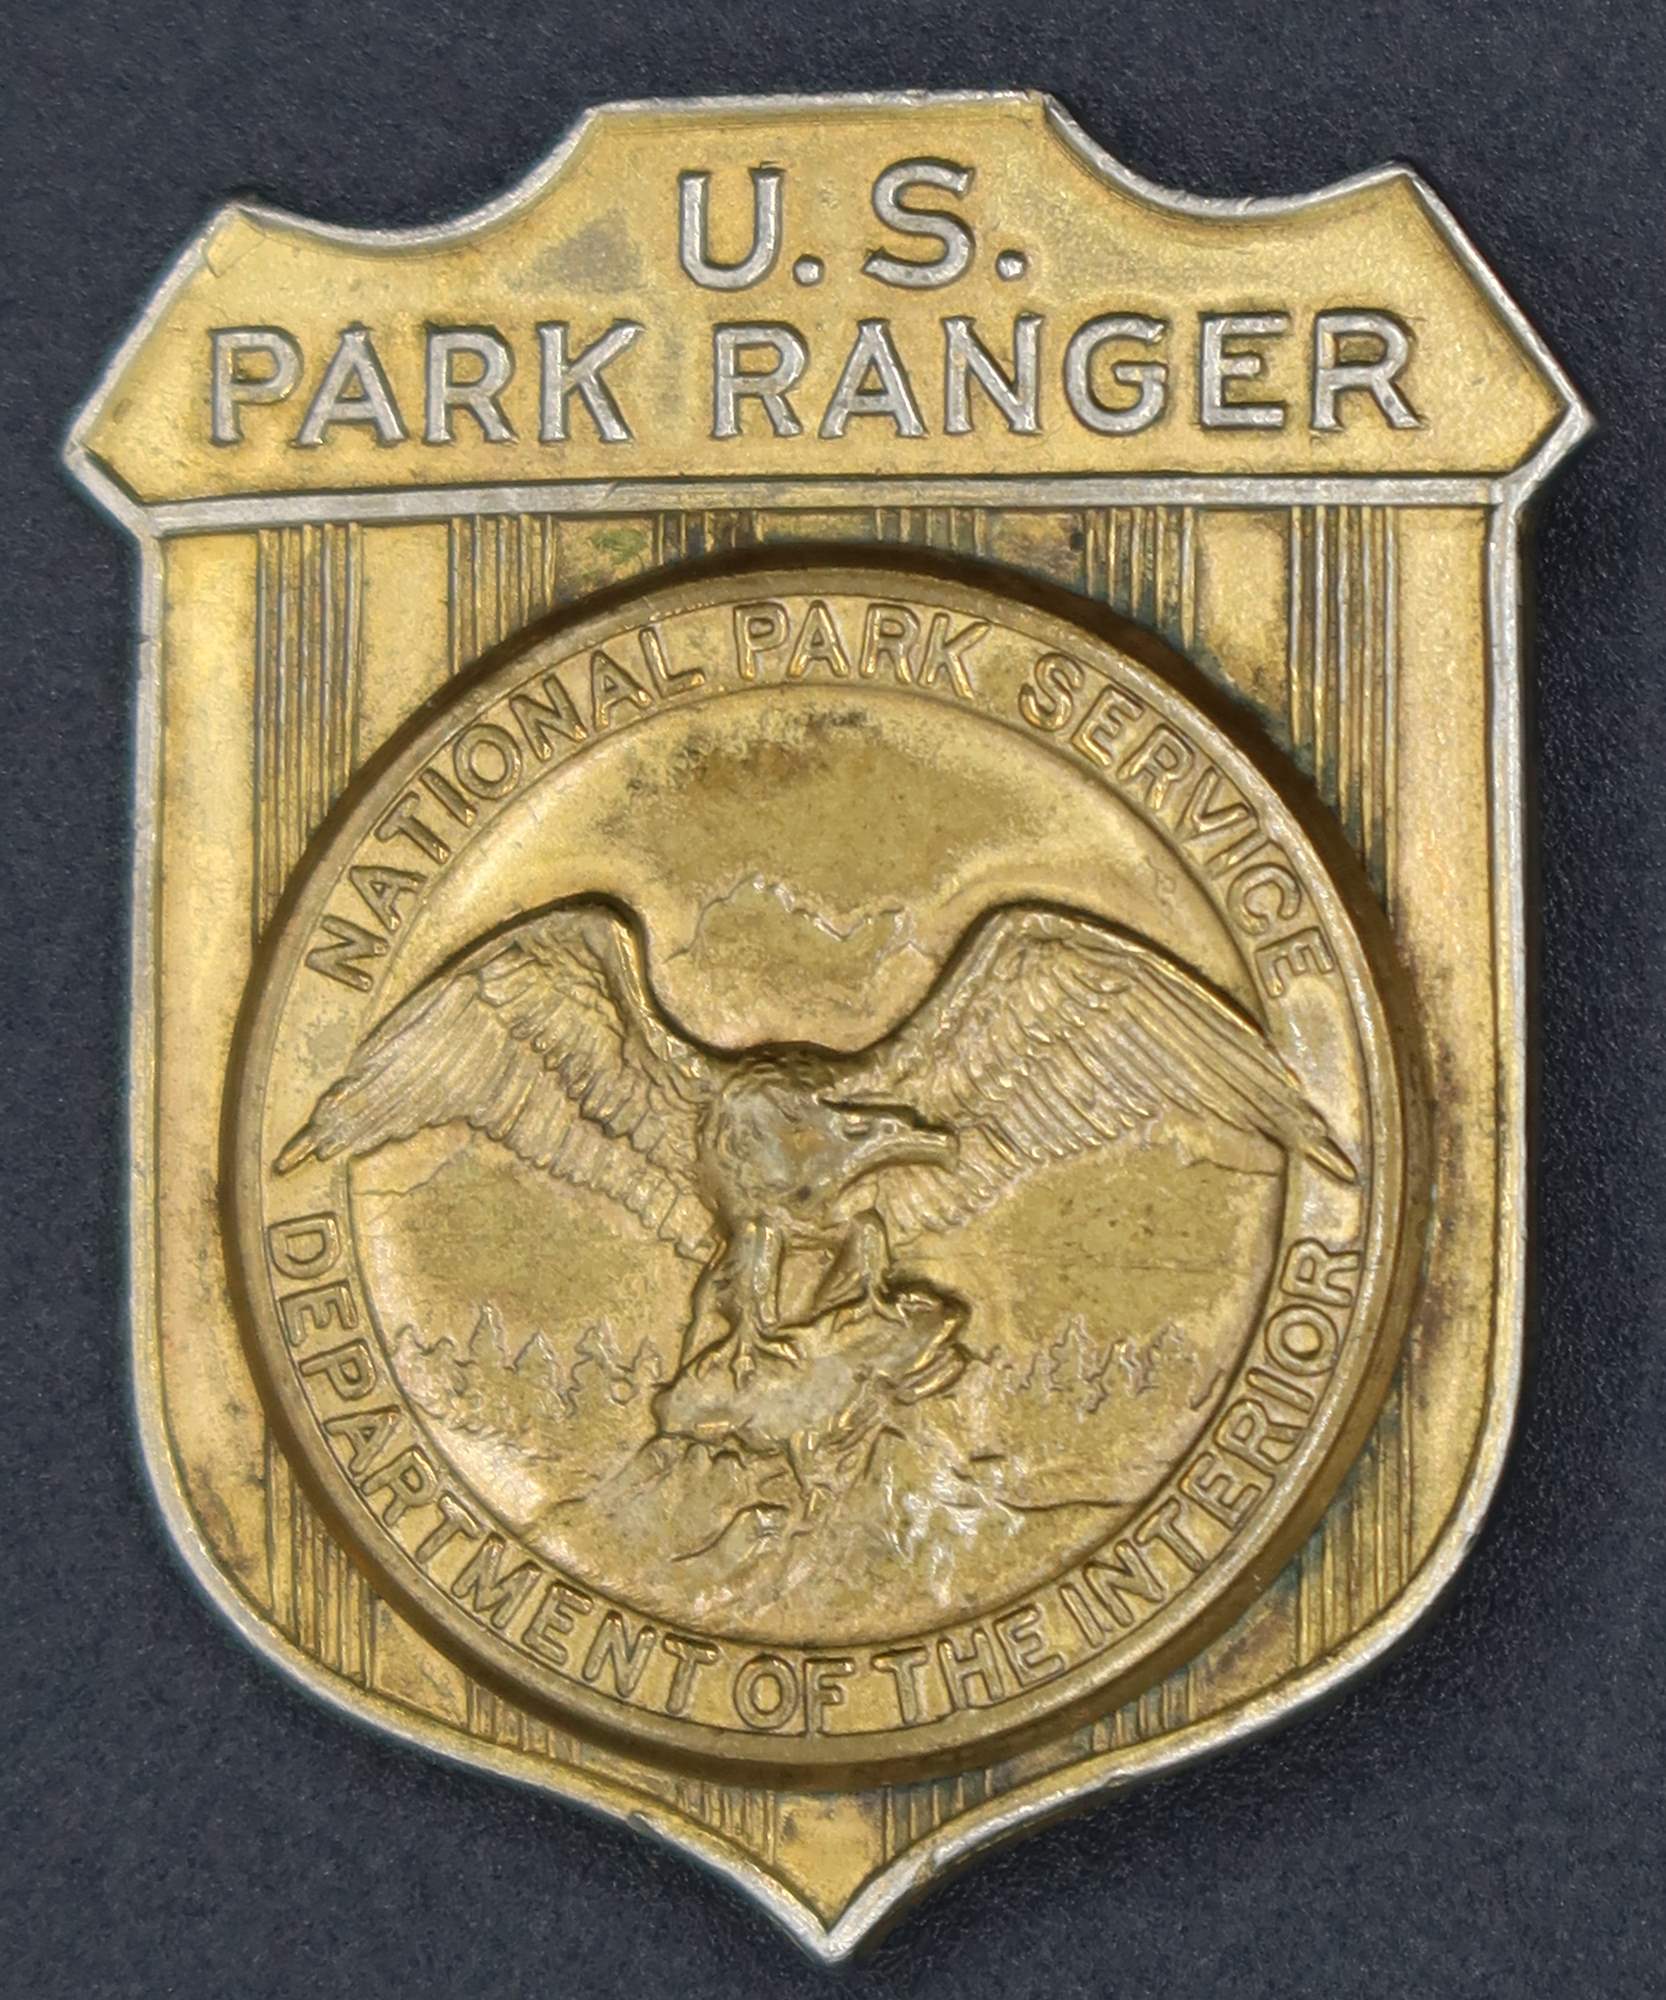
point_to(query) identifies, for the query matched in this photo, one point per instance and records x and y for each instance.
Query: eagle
(1047, 1034)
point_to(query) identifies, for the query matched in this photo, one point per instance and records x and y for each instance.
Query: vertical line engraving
(1341, 715)
(309, 640)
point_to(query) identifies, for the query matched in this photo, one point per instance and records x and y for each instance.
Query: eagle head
(782, 1137)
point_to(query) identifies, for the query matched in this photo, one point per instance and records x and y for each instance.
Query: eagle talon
(780, 1341)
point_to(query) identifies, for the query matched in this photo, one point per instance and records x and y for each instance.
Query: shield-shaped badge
(828, 1022)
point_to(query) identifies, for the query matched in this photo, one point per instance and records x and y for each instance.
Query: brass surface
(828, 1024)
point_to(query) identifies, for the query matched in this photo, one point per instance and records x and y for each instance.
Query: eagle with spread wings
(1048, 1033)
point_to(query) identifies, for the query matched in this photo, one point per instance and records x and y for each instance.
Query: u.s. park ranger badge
(828, 1026)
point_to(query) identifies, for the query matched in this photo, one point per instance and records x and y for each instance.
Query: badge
(828, 1026)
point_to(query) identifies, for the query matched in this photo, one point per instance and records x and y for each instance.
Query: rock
(852, 1366)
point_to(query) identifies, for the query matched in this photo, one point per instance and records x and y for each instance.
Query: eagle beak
(896, 1136)
(918, 1146)
(934, 1147)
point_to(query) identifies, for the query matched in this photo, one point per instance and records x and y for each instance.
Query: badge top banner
(813, 290)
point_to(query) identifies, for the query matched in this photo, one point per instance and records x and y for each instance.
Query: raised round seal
(817, 1170)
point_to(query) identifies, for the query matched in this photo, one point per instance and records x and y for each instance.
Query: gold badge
(828, 1029)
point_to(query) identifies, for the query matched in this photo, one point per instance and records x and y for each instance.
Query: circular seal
(817, 1171)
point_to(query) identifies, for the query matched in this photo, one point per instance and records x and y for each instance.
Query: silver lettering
(1217, 365)
(914, 273)
(873, 353)
(1334, 377)
(966, 359)
(231, 387)
(354, 366)
(730, 382)
(693, 240)
(478, 395)
(1148, 379)
(581, 375)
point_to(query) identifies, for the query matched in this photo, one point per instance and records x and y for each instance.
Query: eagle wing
(547, 1038)
(1051, 1033)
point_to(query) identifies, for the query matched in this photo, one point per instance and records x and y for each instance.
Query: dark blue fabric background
(1485, 1816)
